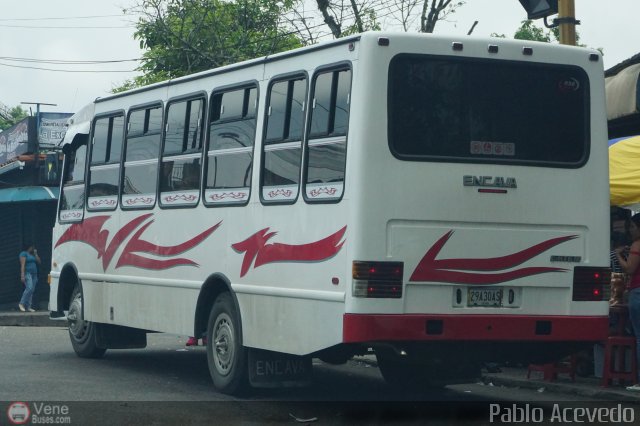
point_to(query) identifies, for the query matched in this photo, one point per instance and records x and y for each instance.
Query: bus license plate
(484, 296)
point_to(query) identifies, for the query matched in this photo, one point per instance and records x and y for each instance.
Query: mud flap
(109, 336)
(269, 369)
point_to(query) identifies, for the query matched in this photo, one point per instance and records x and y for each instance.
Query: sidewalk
(516, 377)
(10, 316)
(589, 387)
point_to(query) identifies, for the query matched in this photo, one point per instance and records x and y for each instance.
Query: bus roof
(235, 66)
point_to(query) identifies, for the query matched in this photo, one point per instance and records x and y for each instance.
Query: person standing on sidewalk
(631, 265)
(29, 261)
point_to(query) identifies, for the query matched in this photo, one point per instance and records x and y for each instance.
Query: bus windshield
(488, 111)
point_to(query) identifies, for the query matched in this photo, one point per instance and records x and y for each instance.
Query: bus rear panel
(481, 207)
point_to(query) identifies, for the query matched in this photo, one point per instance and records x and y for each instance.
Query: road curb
(590, 391)
(32, 319)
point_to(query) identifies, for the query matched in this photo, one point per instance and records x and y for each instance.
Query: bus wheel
(226, 357)
(81, 332)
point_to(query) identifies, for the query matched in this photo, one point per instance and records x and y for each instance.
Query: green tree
(186, 36)
(529, 31)
(16, 113)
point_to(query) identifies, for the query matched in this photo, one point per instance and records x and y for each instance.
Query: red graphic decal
(103, 202)
(135, 244)
(280, 193)
(70, 215)
(256, 247)
(232, 195)
(453, 270)
(180, 197)
(325, 190)
(91, 232)
(139, 200)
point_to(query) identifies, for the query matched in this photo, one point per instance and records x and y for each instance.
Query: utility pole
(567, 21)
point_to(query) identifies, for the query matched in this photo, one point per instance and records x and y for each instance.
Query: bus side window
(282, 148)
(327, 141)
(104, 168)
(180, 164)
(72, 196)
(142, 149)
(230, 153)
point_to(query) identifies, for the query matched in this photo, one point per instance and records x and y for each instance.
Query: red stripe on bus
(257, 247)
(413, 327)
(458, 270)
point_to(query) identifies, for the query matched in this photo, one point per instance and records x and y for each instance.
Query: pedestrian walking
(29, 261)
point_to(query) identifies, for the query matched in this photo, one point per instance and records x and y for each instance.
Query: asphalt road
(167, 383)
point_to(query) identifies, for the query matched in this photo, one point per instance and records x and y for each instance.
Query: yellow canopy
(624, 171)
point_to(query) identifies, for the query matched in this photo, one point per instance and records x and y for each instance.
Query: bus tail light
(377, 279)
(591, 284)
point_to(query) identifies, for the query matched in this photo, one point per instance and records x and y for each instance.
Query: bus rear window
(487, 111)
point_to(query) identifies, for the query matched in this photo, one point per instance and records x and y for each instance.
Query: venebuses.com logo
(18, 413)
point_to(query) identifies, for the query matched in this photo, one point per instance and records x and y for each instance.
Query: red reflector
(591, 284)
(377, 279)
(377, 270)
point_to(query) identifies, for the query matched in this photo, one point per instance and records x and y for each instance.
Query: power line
(66, 62)
(344, 17)
(47, 27)
(61, 70)
(60, 18)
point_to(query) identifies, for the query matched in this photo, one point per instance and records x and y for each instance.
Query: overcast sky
(108, 35)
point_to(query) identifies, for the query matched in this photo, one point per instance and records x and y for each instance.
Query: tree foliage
(529, 31)
(17, 114)
(345, 17)
(349, 17)
(182, 37)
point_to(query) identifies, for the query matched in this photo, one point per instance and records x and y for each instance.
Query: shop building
(30, 166)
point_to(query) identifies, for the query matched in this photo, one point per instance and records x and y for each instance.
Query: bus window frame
(83, 140)
(338, 66)
(586, 153)
(132, 109)
(199, 95)
(248, 84)
(109, 115)
(279, 78)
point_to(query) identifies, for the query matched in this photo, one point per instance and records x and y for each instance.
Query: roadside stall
(615, 359)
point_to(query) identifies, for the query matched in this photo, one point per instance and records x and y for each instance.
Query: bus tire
(226, 356)
(82, 333)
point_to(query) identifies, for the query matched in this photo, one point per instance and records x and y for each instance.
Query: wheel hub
(223, 345)
(77, 324)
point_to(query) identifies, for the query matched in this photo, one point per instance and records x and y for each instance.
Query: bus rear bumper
(361, 328)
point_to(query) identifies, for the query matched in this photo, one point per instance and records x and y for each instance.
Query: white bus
(442, 202)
